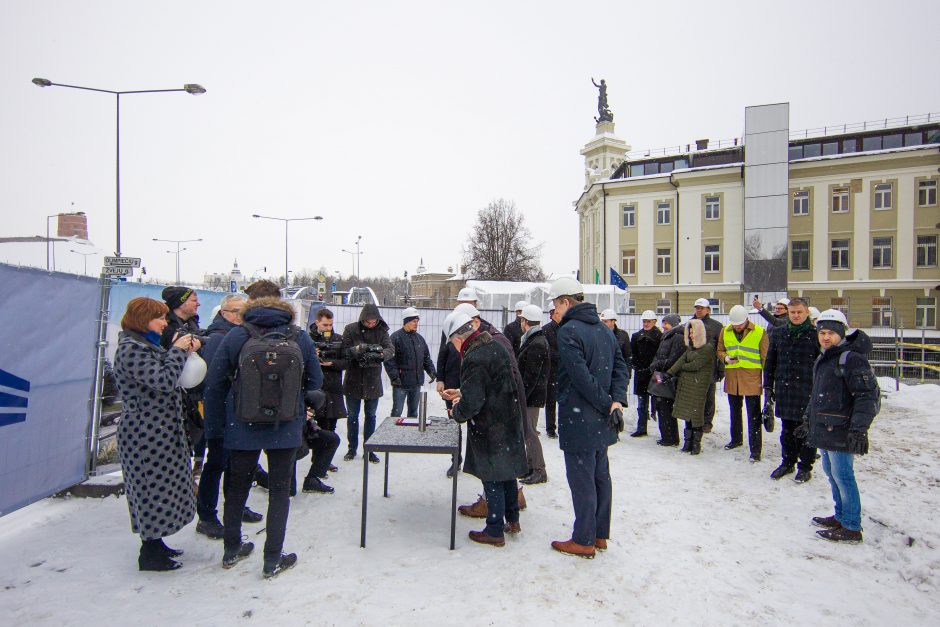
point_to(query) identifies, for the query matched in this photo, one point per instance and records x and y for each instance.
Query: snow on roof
(864, 153)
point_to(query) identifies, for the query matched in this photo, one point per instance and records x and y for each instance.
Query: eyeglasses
(238, 311)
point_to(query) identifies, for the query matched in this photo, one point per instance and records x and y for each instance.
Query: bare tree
(500, 248)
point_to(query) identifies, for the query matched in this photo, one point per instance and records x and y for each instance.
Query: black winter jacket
(411, 360)
(623, 341)
(364, 380)
(332, 374)
(448, 364)
(671, 348)
(643, 346)
(513, 333)
(788, 369)
(842, 402)
(551, 334)
(534, 366)
(216, 331)
(174, 325)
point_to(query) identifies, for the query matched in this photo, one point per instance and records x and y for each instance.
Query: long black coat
(448, 364)
(513, 333)
(332, 374)
(788, 369)
(713, 331)
(844, 402)
(643, 347)
(365, 381)
(671, 348)
(489, 404)
(623, 341)
(534, 366)
(411, 359)
(551, 334)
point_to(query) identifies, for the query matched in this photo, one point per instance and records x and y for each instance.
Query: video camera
(330, 350)
(369, 354)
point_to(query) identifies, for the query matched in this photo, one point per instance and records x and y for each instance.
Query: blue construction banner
(48, 324)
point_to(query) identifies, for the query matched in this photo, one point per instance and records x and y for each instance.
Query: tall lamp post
(84, 259)
(177, 251)
(190, 88)
(49, 236)
(286, 222)
(357, 267)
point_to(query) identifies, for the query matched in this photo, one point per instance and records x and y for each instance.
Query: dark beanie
(175, 295)
(831, 325)
(409, 319)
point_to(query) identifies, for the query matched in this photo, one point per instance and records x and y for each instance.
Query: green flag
(597, 277)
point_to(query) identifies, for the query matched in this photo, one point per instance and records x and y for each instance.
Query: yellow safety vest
(747, 350)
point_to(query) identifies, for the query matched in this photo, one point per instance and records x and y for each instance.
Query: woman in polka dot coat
(151, 441)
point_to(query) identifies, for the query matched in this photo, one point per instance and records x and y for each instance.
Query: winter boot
(171, 552)
(520, 498)
(841, 534)
(570, 547)
(478, 509)
(803, 475)
(154, 558)
(235, 554)
(249, 516)
(696, 440)
(782, 471)
(687, 443)
(212, 529)
(261, 477)
(274, 567)
(827, 522)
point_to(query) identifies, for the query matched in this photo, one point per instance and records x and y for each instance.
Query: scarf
(466, 342)
(153, 337)
(797, 331)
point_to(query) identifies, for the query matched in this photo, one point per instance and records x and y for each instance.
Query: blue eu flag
(616, 279)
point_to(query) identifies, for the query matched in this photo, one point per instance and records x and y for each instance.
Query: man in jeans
(407, 366)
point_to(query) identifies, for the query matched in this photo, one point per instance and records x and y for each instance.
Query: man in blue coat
(592, 384)
(246, 440)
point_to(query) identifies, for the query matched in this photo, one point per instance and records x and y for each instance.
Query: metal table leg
(453, 502)
(365, 496)
(385, 494)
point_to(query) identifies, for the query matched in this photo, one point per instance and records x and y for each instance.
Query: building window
(712, 208)
(712, 258)
(663, 307)
(631, 306)
(663, 261)
(799, 255)
(628, 263)
(839, 257)
(841, 304)
(884, 196)
(840, 200)
(926, 193)
(881, 252)
(881, 311)
(663, 210)
(629, 216)
(801, 203)
(925, 314)
(926, 251)
(713, 306)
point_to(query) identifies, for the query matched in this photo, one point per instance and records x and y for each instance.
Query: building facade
(863, 222)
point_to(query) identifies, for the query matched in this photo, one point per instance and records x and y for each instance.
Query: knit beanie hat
(831, 325)
(175, 295)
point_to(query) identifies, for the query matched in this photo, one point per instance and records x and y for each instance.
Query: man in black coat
(513, 330)
(332, 363)
(843, 404)
(671, 348)
(788, 382)
(551, 334)
(643, 346)
(366, 344)
(713, 331)
(609, 318)
(534, 365)
(488, 402)
(592, 389)
(407, 367)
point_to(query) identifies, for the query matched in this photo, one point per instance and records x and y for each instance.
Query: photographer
(367, 345)
(320, 443)
(330, 351)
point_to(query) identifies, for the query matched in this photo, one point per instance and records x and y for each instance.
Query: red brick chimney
(73, 225)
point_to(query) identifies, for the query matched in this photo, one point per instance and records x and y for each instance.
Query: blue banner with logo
(47, 371)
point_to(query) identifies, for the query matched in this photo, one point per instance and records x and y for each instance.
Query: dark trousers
(280, 472)
(752, 403)
(533, 448)
(794, 448)
(400, 395)
(710, 404)
(642, 411)
(668, 425)
(322, 449)
(591, 493)
(352, 421)
(502, 505)
(551, 421)
(327, 423)
(207, 501)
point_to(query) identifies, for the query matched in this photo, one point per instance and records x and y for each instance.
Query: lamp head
(190, 88)
(42, 82)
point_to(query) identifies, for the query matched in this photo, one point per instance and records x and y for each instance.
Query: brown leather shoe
(477, 510)
(570, 547)
(484, 538)
(600, 544)
(522, 504)
(513, 528)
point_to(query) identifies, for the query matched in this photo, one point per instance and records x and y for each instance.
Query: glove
(769, 395)
(431, 378)
(615, 421)
(857, 442)
(396, 383)
(802, 431)
(375, 348)
(768, 415)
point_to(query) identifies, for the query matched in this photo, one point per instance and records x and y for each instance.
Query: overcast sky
(397, 121)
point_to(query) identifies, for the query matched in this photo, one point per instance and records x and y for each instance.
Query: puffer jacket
(364, 381)
(694, 370)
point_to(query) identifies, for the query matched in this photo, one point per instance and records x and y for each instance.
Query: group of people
(269, 386)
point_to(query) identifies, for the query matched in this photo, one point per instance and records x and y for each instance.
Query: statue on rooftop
(603, 111)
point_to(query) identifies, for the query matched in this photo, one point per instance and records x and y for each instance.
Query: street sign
(232, 286)
(321, 278)
(114, 271)
(333, 286)
(122, 262)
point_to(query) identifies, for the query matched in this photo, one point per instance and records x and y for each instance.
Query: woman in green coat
(694, 370)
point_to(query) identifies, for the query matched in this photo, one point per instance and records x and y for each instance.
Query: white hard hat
(454, 321)
(649, 314)
(521, 304)
(608, 314)
(737, 315)
(468, 309)
(194, 371)
(565, 286)
(813, 313)
(702, 302)
(832, 315)
(783, 301)
(467, 293)
(533, 313)
(409, 312)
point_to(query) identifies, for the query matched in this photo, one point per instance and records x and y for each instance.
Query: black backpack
(269, 378)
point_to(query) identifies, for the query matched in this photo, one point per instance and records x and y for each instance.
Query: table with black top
(441, 437)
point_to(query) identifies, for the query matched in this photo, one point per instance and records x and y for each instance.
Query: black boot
(687, 444)
(696, 441)
(274, 567)
(261, 477)
(153, 557)
(170, 552)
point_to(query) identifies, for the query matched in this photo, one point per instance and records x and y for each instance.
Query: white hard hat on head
(533, 313)
(565, 286)
(783, 301)
(467, 293)
(649, 314)
(468, 309)
(454, 321)
(832, 315)
(521, 304)
(737, 315)
(608, 314)
(702, 302)
(813, 313)
(410, 312)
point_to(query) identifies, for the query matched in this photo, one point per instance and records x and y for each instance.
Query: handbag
(662, 385)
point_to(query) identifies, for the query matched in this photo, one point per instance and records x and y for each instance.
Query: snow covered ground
(708, 540)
